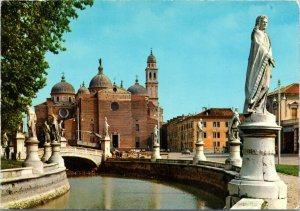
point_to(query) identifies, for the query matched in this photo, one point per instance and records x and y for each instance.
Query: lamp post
(158, 130)
(279, 119)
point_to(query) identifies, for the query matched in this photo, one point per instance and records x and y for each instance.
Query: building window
(216, 124)
(137, 127)
(204, 135)
(57, 99)
(216, 134)
(150, 75)
(226, 124)
(154, 75)
(70, 100)
(204, 124)
(114, 106)
(294, 113)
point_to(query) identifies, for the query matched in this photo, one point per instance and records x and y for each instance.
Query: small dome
(151, 58)
(83, 90)
(137, 89)
(100, 80)
(62, 87)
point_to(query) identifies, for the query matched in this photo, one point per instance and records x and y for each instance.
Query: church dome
(137, 89)
(63, 87)
(100, 80)
(151, 58)
(83, 90)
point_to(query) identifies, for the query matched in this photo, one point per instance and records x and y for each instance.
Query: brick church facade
(131, 114)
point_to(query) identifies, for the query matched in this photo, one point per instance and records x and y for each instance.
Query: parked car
(186, 152)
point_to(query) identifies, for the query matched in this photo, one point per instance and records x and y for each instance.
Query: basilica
(131, 113)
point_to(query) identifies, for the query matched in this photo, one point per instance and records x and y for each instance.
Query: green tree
(29, 29)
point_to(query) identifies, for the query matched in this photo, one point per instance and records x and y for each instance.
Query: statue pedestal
(47, 152)
(105, 146)
(258, 178)
(20, 146)
(156, 152)
(56, 156)
(199, 152)
(234, 154)
(32, 157)
(63, 142)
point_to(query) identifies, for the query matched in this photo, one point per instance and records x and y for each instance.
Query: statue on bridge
(31, 121)
(106, 125)
(155, 135)
(61, 129)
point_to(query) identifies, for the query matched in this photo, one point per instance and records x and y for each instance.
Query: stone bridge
(93, 155)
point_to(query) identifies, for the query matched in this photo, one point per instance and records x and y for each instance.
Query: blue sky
(201, 47)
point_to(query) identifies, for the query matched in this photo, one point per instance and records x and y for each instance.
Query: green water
(105, 192)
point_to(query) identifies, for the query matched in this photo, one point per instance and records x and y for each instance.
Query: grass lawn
(288, 169)
(9, 164)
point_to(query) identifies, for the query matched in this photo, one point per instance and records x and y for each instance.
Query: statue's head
(200, 120)
(261, 22)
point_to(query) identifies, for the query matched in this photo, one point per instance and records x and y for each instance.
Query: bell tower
(152, 79)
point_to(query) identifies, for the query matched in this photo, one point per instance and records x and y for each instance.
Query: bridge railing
(81, 150)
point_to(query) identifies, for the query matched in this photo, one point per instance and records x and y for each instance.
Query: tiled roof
(290, 89)
(216, 112)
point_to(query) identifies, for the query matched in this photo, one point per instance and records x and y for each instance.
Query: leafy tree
(29, 29)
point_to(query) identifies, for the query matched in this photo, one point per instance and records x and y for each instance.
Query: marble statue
(199, 129)
(61, 129)
(31, 121)
(106, 125)
(233, 130)
(47, 132)
(20, 128)
(54, 129)
(4, 140)
(155, 134)
(260, 63)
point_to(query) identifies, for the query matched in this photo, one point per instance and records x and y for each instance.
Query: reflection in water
(103, 192)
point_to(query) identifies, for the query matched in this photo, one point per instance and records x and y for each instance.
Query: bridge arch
(79, 162)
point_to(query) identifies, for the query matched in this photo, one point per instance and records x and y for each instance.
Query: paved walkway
(292, 182)
(290, 159)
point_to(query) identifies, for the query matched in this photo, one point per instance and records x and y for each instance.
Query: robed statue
(106, 125)
(199, 129)
(31, 121)
(233, 130)
(155, 134)
(4, 141)
(260, 63)
(46, 129)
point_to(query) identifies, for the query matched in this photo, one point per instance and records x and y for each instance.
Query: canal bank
(23, 188)
(205, 175)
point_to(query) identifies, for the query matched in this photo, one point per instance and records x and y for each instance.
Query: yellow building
(182, 130)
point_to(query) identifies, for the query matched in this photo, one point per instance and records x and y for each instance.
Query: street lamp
(279, 119)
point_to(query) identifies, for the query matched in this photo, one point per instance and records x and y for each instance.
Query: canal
(108, 192)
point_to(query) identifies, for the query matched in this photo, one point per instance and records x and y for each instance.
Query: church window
(70, 100)
(57, 99)
(137, 127)
(154, 75)
(114, 106)
(150, 75)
